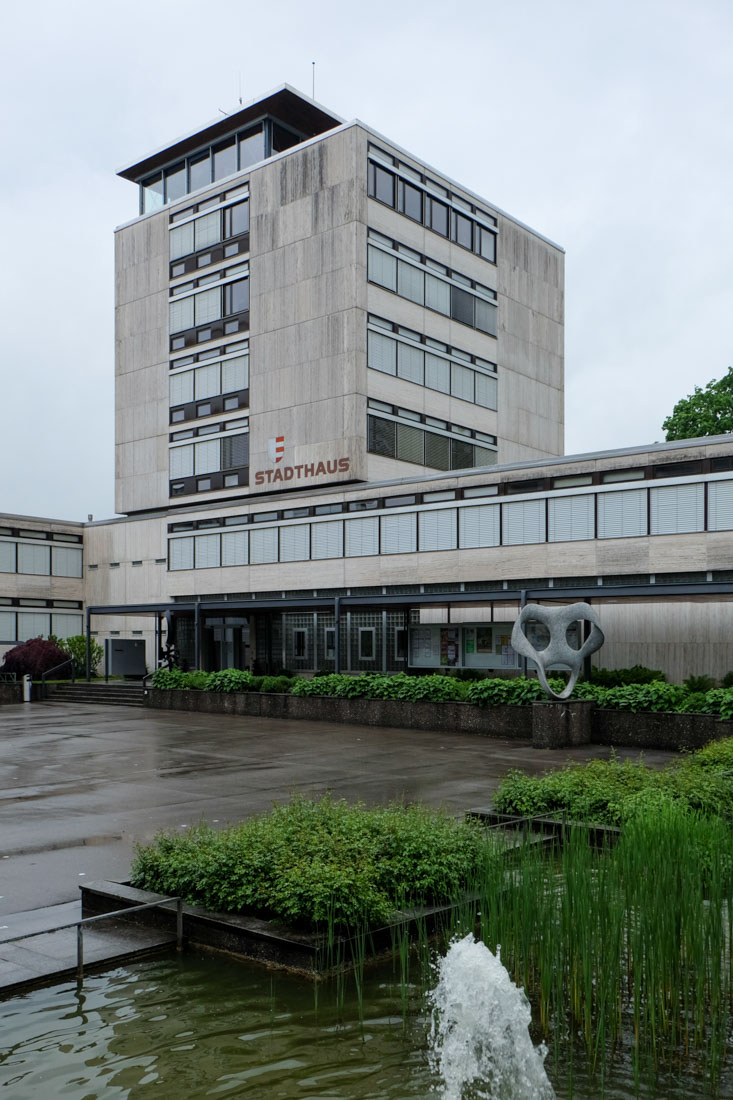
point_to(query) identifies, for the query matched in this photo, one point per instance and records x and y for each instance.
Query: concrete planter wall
(11, 693)
(512, 723)
(657, 731)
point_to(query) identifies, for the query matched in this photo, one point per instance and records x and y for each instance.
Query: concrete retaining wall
(11, 693)
(511, 723)
(657, 731)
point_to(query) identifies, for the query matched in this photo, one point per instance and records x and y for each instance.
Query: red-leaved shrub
(34, 657)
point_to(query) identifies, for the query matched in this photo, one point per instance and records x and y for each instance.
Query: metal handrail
(7, 678)
(80, 925)
(44, 675)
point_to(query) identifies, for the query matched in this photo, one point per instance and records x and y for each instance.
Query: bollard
(26, 689)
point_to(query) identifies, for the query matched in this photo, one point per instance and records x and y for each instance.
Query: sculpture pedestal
(558, 723)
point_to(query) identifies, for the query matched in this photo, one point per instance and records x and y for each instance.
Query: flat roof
(284, 103)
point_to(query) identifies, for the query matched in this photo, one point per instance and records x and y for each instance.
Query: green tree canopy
(704, 412)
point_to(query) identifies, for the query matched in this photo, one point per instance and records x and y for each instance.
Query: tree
(704, 412)
(34, 657)
(76, 647)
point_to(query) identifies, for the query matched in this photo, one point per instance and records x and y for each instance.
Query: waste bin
(26, 689)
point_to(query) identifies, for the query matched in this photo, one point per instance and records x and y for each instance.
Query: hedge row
(518, 691)
(613, 792)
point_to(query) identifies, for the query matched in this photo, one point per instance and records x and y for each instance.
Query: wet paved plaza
(79, 785)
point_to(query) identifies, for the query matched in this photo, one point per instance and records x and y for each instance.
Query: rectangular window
(362, 537)
(181, 553)
(207, 457)
(234, 548)
(181, 388)
(7, 557)
(263, 546)
(236, 297)
(461, 305)
(410, 444)
(66, 561)
(398, 533)
(410, 201)
(208, 306)
(181, 461)
(381, 436)
(461, 454)
(437, 451)
(33, 624)
(234, 451)
(235, 374)
(485, 316)
(410, 282)
(207, 230)
(438, 529)
(571, 518)
(225, 159)
(622, 514)
(382, 353)
(34, 559)
(236, 219)
(300, 643)
(479, 526)
(720, 506)
(367, 643)
(677, 509)
(461, 382)
(207, 551)
(207, 381)
(199, 169)
(437, 373)
(438, 217)
(181, 241)
(383, 186)
(462, 230)
(411, 363)
(295, 542)
(437, 295)
(329, 639)
(485, 390)
(7, 626)
(487, 245)
(327, 540)
(181, 314)
(382, 268)
(523, 521)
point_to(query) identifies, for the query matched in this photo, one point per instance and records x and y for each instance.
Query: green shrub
(76, 648)
(318, 862)
(727, 681)
(618, 677)
(699, 684)
(171, 679)
(229, 679)
(718, 754)
(276, 684)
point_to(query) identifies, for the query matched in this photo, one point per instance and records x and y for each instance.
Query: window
(720, 507)
(234, 548)
(367, 643)
(411, 201)
(327, 540)
(207, 230)
(362, 537)
(479, 526)
(7, 557)
(200, 171)
(263, 546)
(234, 451)
(7, 626)
(677, 509)
(329, 637)
(300, 643)
(523, 521)
(622, 514)
(295, 542)
(398, 533)
(225, 159)
(438, 217)
(66, 561)
(381, 353)
(382, 269)
(236, 297)
(438, 529)
(383, 185)
(31, 624)
(236, 219)
(571, 518)
(34, 559)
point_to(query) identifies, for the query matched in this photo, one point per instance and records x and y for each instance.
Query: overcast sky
(605, 126)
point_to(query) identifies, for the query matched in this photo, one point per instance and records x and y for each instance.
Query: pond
(209, 1026)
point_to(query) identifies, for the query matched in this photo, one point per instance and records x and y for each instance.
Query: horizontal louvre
(66, 561)
(7, 557)
(295, 542)
(234, 451)
(208, 230)
(438, 529)
(479, 526)
(34, 559)
(181, 553)
(437, 373)
(677, 509)
(382, 353)
(33, 625)
(486, 317)
(437, 451)
(382, 269)
(207, 456)
(181, 461)
(461, 382)
(410, 282)
(208, 306)
(7, 626)
(181, 314)
(484, 456)
(398, 533)
(181, 240)
(66, 626)
(437, 295)
(208, 551)
(410, 446)
(381, 436)
(485, 391)
(571, 518)
(235, 374)
(263, 546)
(461, 454)
(181, 387)
(234, 548)
(523, 521)
(207, 381)
(411, 364)
(327, 540)
(622, 514)
(362, 537)
(720, 506)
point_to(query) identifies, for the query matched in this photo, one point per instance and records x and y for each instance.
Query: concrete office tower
(301, 303)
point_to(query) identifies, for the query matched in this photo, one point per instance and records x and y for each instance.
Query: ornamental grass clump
(316, 863)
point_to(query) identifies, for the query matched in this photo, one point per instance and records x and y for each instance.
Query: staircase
(120, 693)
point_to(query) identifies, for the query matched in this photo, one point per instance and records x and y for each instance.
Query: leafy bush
(173, 679)
(76, 648)
(727, 681)
(618, 677)
(34, 657)
(276, 684)
(613, 792)
(318, 862)
(229, 679)
(699, 684)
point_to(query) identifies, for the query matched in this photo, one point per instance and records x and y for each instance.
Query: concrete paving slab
(80, 785)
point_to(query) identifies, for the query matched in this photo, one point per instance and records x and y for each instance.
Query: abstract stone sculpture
(558, 651)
